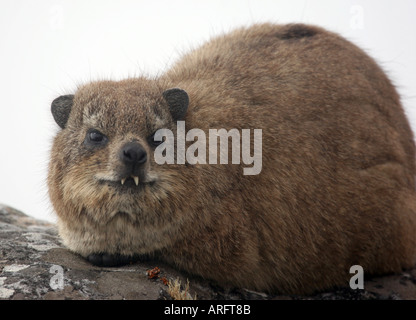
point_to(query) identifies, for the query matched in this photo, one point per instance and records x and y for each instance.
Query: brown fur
(337, 182)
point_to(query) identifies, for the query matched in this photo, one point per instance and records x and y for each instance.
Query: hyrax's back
(337, 182)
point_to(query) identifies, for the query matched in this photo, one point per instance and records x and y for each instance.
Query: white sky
(48, 47)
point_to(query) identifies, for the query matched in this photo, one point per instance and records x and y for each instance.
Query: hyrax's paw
(110, 260)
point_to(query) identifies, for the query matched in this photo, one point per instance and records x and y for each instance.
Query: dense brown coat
(337, 182)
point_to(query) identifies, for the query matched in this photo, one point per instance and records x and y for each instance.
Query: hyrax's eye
(95, 138)
(154, 142)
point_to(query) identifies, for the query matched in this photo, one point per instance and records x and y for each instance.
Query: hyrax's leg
(405, 209)
(387, 206)
(110, 260)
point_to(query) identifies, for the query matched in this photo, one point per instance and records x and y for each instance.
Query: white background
(49, 47)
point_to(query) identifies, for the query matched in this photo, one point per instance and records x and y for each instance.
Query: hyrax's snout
(133, 156)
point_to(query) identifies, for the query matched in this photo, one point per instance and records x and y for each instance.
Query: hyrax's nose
(132, 153)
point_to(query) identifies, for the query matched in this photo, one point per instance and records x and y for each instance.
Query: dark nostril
(132, 153)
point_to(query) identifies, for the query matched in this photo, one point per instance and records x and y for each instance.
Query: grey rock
(34, 265)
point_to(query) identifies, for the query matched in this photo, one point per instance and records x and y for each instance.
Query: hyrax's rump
(336, 186)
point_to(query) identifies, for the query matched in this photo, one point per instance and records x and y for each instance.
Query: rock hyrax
(336, 186)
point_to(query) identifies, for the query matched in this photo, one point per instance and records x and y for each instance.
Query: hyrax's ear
(61, 107)
(178, 102)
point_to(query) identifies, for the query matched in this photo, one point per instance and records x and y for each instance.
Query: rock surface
(35, 265)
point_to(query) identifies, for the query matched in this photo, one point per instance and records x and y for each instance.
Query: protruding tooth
(123, 180)
(136, 180)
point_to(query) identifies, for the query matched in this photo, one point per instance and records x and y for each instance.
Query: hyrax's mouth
(128, 183)
(136, 180)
